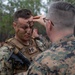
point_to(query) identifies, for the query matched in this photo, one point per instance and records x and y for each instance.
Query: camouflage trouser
(23, 73)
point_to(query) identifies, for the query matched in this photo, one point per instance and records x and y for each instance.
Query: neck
(24, 42)
(56, 36)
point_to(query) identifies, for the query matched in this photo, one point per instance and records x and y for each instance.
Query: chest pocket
(29, 50)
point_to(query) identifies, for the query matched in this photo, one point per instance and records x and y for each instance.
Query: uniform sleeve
(39, 69)
(5, 67)
(44, 64)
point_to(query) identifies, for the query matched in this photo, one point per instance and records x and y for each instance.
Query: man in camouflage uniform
(60, 58)
(22, 43)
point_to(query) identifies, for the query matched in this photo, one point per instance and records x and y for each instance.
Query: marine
(60, 58)
(21, 46)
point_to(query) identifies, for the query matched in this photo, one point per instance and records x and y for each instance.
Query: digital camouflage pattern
(59, 60)
(5, 67)
(43, 43)
(30, 51)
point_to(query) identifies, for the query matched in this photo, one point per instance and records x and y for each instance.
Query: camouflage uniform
(59, 60)
(43, 43)
(6, 68)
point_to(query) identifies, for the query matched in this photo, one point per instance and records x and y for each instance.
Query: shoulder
(4, 52)
(46, 63)
(42, 44)
(54, 61)
(43, 64)
(9, 40)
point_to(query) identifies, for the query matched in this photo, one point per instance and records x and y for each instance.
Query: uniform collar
(69, 37)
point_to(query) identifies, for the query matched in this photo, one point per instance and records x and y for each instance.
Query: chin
(27, 39)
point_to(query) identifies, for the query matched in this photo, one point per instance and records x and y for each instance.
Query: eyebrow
(30, 22)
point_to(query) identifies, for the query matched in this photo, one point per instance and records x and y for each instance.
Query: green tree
(7, 10)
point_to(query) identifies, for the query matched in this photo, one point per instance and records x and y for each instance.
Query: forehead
(24, 21)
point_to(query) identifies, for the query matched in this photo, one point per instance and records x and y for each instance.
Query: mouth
(27, 36)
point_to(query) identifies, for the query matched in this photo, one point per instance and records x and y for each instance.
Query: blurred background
(8, 7)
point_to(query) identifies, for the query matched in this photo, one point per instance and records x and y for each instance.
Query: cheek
(17, 30)
(20, 32)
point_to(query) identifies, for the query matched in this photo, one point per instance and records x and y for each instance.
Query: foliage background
(8, 7)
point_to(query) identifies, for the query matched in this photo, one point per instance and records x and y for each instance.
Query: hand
(39, 19)
(35, 33)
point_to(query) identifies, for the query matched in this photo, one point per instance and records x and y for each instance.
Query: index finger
(36, 17)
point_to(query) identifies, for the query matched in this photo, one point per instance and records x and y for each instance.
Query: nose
(28, 30)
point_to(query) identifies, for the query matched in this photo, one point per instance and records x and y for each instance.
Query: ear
(49, 26)
(14, 25)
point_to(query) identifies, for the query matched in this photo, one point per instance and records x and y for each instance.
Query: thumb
(36, 17)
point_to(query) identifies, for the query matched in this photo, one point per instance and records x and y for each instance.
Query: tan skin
(35, 33)
(53, 33)
(23, 29)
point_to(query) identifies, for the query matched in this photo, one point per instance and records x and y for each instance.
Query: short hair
(23, 13)
(62, 14)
